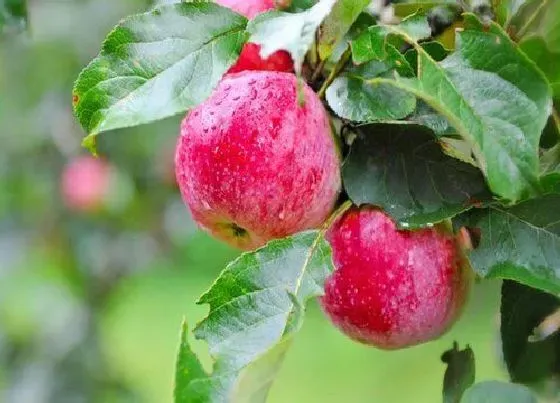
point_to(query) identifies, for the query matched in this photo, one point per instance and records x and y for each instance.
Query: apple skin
(84, 183)
(393, 288)
(253, 165)
(248, 8)
(250, 58)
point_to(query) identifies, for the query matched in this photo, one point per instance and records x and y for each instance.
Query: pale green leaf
(520, 243)
(157, 64)
(337, 24)
(256, 306)
(294, 33)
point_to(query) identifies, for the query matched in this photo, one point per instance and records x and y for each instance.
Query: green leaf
(493, 96)
(402, 169)
(372, 44)
(505, 10)
(337, 24)
(426, 116)
(352, 97)
(547, 60)
(363, 22)
(498, 392)
(297, 6)
(256, 306)
(550, 160)
(551, 132)
(294, 33)
(460, 373)
(188, 369)
(537, 28)
(13, 15)
(520, 243)
(157, 64)
(531, 349)
(434, 49)
(551, 182)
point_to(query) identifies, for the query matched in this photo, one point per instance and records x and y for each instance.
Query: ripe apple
(393, 288)
(253, 164)
(250, 58)
(84, 184)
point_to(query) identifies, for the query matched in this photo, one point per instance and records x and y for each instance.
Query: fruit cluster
(254, 165)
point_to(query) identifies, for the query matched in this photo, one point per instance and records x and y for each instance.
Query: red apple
(393, 288)
(84, 184)
(254, 165)
(250, 58)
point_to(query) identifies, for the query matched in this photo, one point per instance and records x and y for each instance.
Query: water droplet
(281, 215)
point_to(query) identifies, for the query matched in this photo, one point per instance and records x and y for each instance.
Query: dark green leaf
(351, 96)
(297, 6)
(13, 15)
(157, 64)
(531, 351)
(402, 169)
(460, 373)
(256, 305)
(493, 96)
(292, 32)
(551, 132)
(188, 369)
(498, 392)
(520, 243)
(337, 24)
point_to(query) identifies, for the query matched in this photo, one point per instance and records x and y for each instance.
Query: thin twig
(556, 119)
(318, 70)
(344, 59)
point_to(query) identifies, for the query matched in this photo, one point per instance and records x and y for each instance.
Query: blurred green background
(91, 302)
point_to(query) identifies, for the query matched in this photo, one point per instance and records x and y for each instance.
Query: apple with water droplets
(254, 164)
(393, 288)
(85, 183)
(250, 58)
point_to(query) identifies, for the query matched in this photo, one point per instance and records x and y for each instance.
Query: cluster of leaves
(436, 129)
